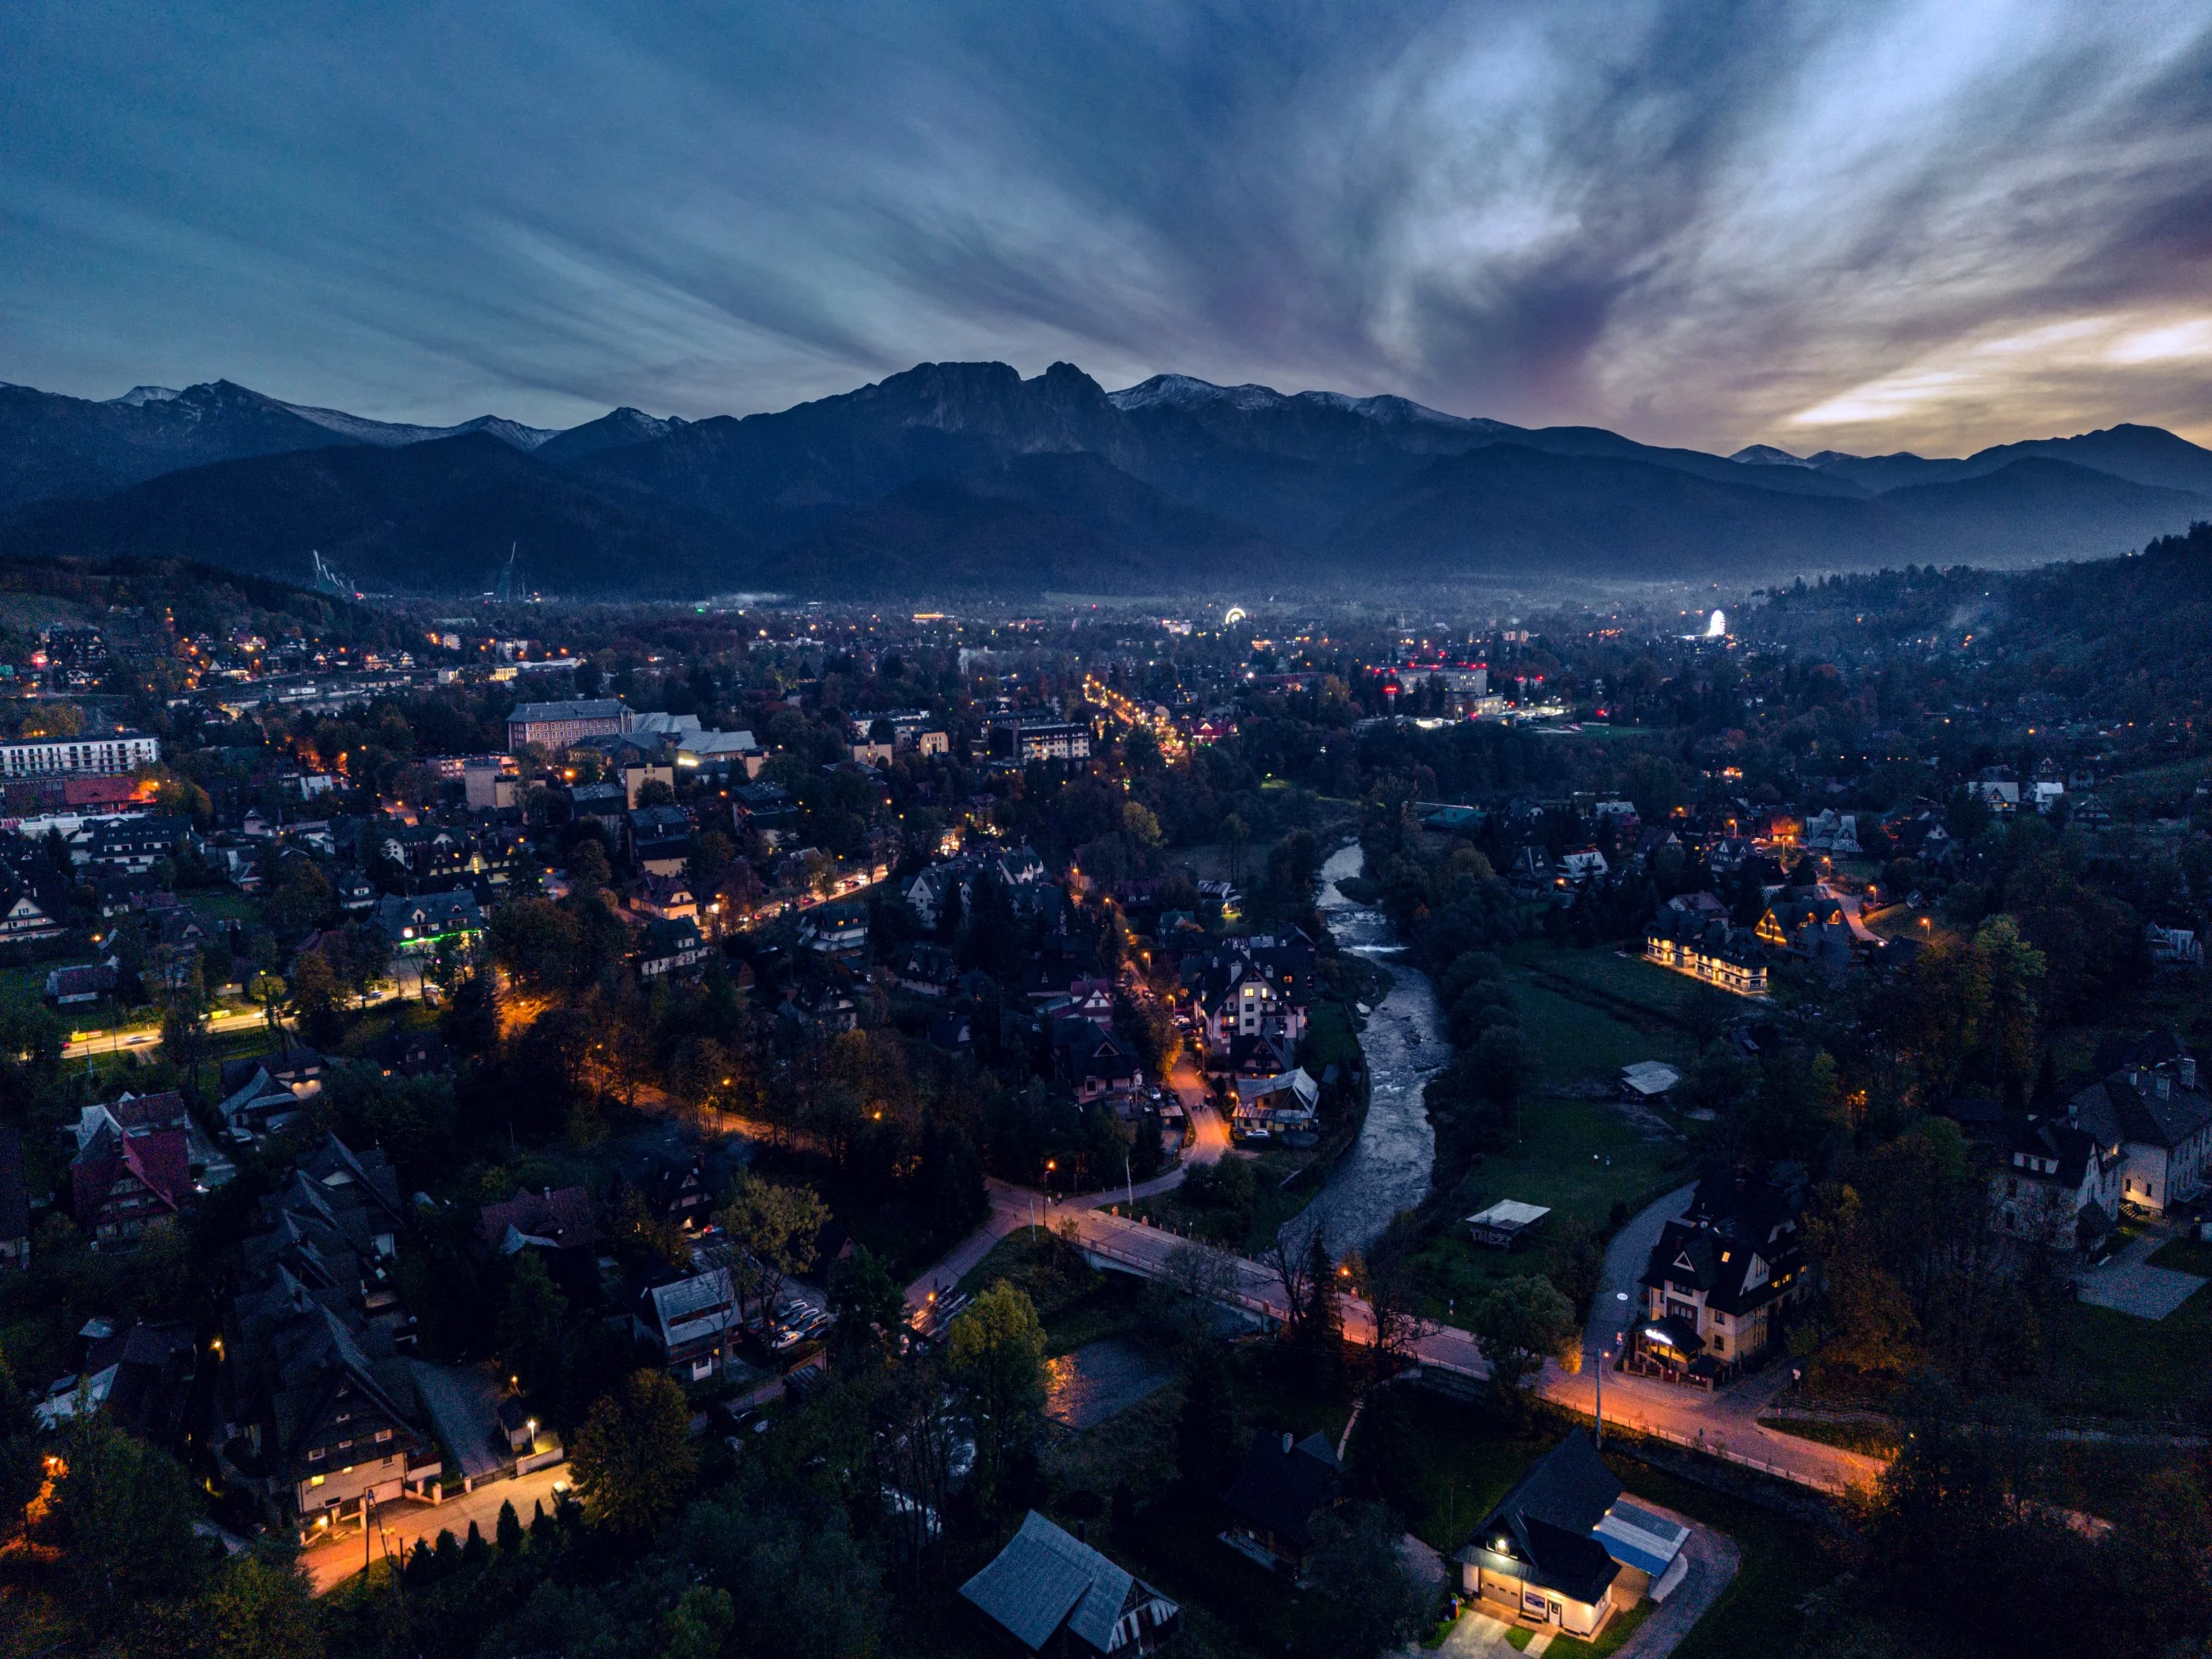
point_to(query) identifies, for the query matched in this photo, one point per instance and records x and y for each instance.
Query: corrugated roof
(1043, 1578)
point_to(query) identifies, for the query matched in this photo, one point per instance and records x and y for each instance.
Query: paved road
(1714, 1561)
(399, 1524)
(1722, 1422)
(222, 1022)
(1014, 1207)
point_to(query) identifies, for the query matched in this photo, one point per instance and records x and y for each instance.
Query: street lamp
(1604, 1359)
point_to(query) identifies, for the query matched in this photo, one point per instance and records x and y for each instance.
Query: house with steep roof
(263, 1093)
(1052, 1594)
(1287, 1104)
(1718, 1284)
(2060, 1184)
(421, 923)
(548, 1219)
(1536, 1558)
(693, 1324)
(1097, 1063)
(320, 1407)
(122, 1185)
(1563, 1550)
(1281, 1486)
(673, 948)
(140, 1378)
(2149, 1101)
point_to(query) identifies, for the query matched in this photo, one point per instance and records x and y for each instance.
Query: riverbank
(1387, 1168)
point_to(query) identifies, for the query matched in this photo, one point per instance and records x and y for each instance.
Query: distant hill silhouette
(967, 479)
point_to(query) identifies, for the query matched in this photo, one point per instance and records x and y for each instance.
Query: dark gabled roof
(2153, 1049)
(2128, 1106)
(1569, 1486)
(1283, 1485)
(1550, 1516)
(1576, 1565)
(2060, 1142)
(1734, 1218)
(564, 1216)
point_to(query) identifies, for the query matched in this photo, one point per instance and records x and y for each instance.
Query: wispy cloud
(1872, 225)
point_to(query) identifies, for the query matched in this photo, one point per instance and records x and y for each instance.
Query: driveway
(1714, 1561)
(2130, 1284)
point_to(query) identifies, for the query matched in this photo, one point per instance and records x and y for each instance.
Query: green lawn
(1468, 1462)
(1872, 1439)
(2114, 1364)
(2185, 1255)
(1574, 1041)
(1272, 1204)
(1578, 1157)
(1076, 1303)
(1662, 994)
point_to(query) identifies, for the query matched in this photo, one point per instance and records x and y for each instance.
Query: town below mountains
(964, 479)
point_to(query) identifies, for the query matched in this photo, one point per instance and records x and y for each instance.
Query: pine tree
(509, 1529)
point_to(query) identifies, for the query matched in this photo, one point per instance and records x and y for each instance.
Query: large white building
(89, 753)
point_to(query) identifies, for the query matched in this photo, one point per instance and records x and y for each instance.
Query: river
(1388, 1168)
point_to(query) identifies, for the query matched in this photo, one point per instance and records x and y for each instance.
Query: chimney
(1286, 1443)
(2188, 1071)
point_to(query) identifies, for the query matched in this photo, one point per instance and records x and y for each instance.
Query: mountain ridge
(969, 476)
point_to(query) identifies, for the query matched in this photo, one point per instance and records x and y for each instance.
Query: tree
(588, 869)
(259, 1607)
(125, 1513)
(1361, 1600)
(185, 1040)
(633, 1456)
(20, 1472)
(701, 1622)
(508, 1529)
(268, 990)
(1205, 1429)
(997, 1359)
(530, 1327)
(771, 1231)
(871, 1310)
(314, 994)
(1235, 832)
(1519, 1325)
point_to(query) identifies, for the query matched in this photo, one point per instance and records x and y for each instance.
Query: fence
(1700, 1443)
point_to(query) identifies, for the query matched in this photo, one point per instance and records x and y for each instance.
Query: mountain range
(964, 478)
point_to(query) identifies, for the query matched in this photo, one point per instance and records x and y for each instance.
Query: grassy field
(1610, 1640)
(2114, 1364)
(1075, 1303)
(1247, 1232)
(1578, 1158)
(2185, 1255)
(1574, 1040)
(1468, 1462)
(1874, 1439)
(1658, 993)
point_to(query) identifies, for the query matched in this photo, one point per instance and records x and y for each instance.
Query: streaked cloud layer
(1864, 226)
